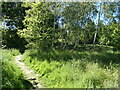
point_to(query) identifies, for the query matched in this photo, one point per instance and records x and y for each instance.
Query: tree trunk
(98, 27)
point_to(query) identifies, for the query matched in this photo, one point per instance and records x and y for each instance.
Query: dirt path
(29, 74)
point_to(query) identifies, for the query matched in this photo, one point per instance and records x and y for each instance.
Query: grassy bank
(79, 69)
(12, 76)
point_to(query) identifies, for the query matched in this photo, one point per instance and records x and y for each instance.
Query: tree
(76, 21)
(13, 14)
(113, 35)
(109, 33)
(39, 25)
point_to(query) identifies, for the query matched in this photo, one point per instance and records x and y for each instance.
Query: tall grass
(12, 76)
(86, 69)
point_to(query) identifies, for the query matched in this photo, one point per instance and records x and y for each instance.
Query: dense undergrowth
(12, 76)
(97, 68)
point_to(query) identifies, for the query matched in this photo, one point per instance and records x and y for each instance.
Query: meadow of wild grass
(96, 68)
(12, 75)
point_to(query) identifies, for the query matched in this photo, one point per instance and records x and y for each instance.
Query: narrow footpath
(29, 74)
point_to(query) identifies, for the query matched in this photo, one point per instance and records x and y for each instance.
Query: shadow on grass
(11, 81)
(104, 56)
(25, 84)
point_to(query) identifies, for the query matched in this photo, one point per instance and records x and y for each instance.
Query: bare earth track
(29, 74)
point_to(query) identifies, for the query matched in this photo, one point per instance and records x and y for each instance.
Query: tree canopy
(63, 24)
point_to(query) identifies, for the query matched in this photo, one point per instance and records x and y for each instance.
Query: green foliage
(111, 35)
(115, 36)
(12, 76)
(12, 15)
(79, 70)
(35, 24)
(78, 23)
(38, 24)
(11, 36)
(77, 30)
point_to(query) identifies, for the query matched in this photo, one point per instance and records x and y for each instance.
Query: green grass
(85, 69)
(12, 76)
